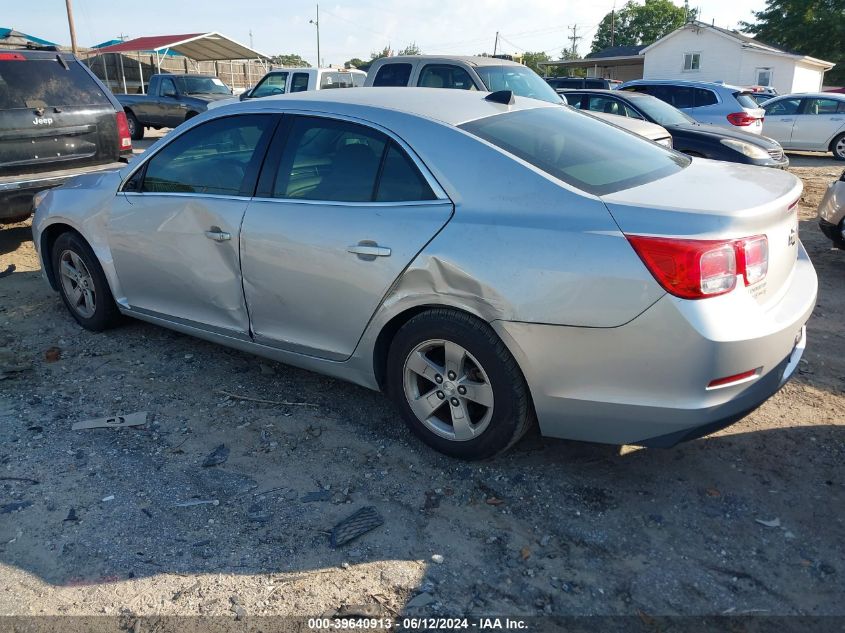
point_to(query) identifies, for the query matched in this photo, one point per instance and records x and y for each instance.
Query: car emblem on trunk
(792, 237)
(42, 121)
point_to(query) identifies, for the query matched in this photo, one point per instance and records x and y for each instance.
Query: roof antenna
(501, 96)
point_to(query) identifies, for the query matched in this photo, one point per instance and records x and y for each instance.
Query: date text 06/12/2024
(417, 624)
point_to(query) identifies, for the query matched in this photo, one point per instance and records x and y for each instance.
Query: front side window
(299, 83)
(681, 96)
(581, 151)
(273, 84)
(338, 161)
(784, 107)
(606, 105)
(392, 75)
(212, 158)
(445, 76)
(692, 61)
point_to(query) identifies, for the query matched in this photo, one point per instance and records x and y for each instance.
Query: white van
(284, 80)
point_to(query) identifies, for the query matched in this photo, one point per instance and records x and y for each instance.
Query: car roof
(473, 60)
(452, 107)
(685, 82)
(802, 95)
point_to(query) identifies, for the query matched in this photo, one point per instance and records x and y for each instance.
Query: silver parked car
(809, 122)
(832, 212)
(487, 260)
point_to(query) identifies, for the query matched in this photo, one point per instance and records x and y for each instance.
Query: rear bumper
(646, 382)
(16, 191)
(833, 232)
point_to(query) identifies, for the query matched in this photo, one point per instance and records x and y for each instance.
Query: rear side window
(41, 83)
(339, 161)
(335, 80)
(400, 179)
(594, 83)
(681, 96)
(299, 83)
(393, 75)
(746, 99)
(445, 76)
(213, 158)
(581, 151)
(704, 97)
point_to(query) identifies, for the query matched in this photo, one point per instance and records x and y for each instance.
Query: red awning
(198, 46)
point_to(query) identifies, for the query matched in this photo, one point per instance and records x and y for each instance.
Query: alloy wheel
(448, 390)
(77, 284)
(839, 149)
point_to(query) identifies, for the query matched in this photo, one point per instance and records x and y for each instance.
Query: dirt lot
(748, 520)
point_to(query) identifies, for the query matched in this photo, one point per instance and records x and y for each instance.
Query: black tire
(105, 314)
(512, 413)
(136, 130)
(838, 147)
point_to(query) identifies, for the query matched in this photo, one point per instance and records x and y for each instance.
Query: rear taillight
(742, 119)
(736, 379)
(12, 57)
(124, 138)
(696, 269)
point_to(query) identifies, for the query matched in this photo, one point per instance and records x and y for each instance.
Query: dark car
(576, 83)
(171, 100)
(688, 135)
(56, 121)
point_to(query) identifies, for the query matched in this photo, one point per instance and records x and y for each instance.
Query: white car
(286, 80)
(810, 122)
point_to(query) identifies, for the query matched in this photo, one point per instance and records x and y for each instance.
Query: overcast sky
(348, 29)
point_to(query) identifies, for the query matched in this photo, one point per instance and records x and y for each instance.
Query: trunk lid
(712, 200)
(53, 115)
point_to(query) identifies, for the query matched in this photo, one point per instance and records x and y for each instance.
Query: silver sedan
(488, 261)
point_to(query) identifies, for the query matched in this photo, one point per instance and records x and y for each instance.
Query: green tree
(291, 61)
(355, 62)
(810, 27)
(531, 60)
(410, 49)
(385, 52)
(640, 24)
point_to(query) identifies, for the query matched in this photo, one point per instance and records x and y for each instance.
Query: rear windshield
(746, 99)
(41, 83)
(579, 150)
(202, 86)
(522, 81)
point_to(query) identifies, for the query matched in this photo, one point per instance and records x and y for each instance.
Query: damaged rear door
(341, 211)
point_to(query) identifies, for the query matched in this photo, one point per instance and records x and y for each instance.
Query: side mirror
(244, 95)
(169, 95)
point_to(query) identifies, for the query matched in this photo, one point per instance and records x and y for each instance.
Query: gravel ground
(129, 521)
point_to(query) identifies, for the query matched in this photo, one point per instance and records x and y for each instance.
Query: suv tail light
(696, 269)
(124, 139)
(741, 119)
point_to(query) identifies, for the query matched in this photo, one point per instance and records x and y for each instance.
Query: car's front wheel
(82, 283)
(457, 386)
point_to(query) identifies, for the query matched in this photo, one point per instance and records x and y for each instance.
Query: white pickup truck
(284, 80)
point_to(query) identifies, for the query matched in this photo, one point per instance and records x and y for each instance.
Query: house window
(764, 76)
(692, 61)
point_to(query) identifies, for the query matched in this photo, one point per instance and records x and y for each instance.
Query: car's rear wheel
(136, 130)
(458, 387)
(82, 283)
(838, 147)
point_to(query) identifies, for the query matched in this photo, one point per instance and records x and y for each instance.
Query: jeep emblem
(42, 121)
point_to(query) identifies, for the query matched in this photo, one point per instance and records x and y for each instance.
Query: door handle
(216, 234)
(369, 251)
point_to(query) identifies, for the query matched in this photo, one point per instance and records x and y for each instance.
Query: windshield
(522, 81)
(203, 85)
(661, 112)
(579, 150)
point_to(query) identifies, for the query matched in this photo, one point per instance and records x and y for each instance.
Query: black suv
(56, 121)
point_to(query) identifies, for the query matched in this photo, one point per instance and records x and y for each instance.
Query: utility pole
(496, 44)
(574, 39)
(71, 27)
(612, 24)
(250, 38)
(317, 24)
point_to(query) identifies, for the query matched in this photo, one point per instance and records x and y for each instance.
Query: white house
(701, 52)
